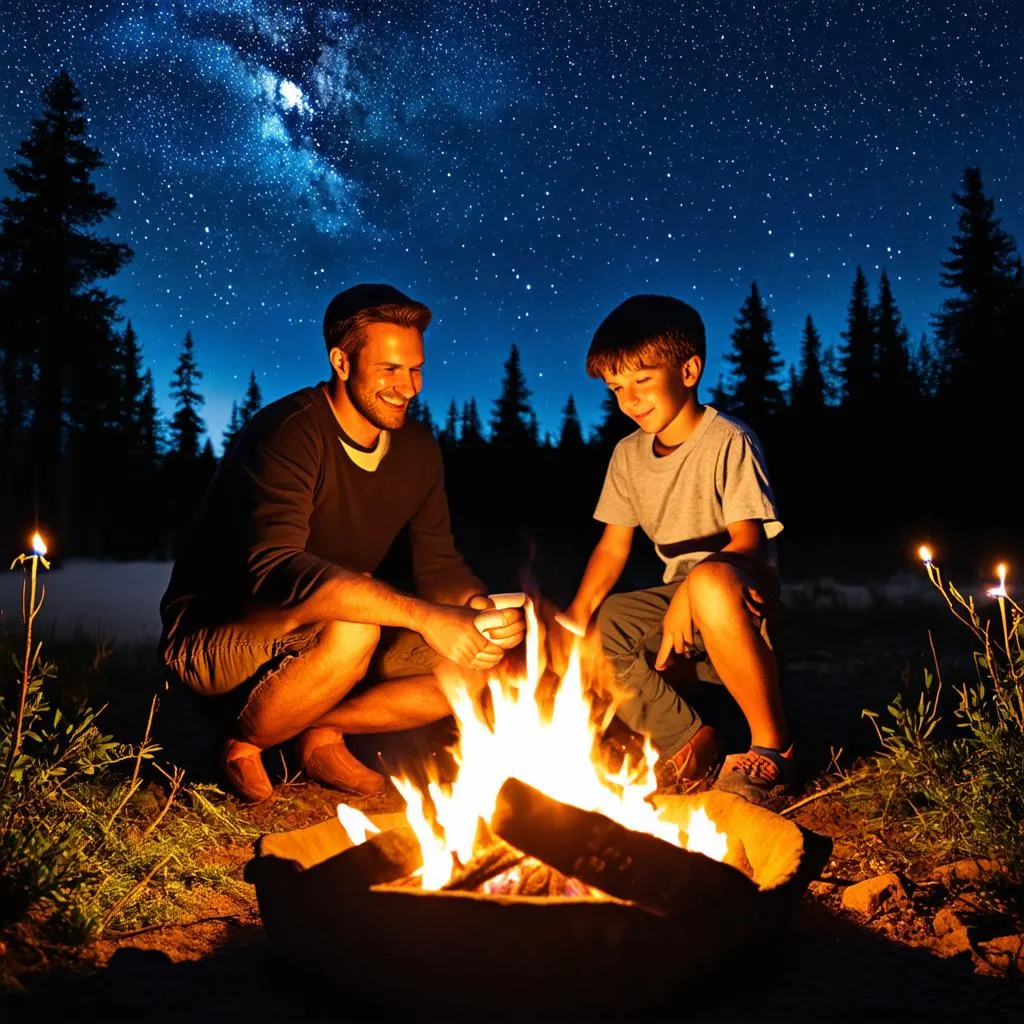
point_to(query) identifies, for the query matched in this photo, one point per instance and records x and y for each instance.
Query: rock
(971, 869)
(1005, 953)
(866, 897)
(951, 933)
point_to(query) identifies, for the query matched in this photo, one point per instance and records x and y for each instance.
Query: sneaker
(694, 760)
(332, 765)
(246, 775)
(761, 775)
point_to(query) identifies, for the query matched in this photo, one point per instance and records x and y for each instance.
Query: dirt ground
(822, 961)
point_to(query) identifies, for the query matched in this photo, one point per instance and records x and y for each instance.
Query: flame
(924, 553)
(999, 591)
(357, 825)
(548, 750)
(38, 544)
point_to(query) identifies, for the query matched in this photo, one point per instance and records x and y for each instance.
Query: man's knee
(351, 643)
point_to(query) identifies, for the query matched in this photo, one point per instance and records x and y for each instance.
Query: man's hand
(506, 628)
(452, 631)
(676, 627)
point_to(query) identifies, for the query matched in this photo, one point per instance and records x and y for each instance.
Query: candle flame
(1000, 591)
(924, 553)
(38, 544)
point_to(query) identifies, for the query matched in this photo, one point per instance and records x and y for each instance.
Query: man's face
(386, 374)
(651, 396)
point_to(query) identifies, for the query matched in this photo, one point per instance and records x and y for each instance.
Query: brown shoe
(332, 765)
(692, 761)
(246, 776)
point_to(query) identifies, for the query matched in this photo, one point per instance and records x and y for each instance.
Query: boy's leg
(734, 637)
(630, 626)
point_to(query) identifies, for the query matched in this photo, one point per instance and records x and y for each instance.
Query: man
(272, 608)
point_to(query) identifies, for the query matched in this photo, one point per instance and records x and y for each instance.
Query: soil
(822, 961)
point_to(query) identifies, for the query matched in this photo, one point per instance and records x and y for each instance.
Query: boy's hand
(676, 627)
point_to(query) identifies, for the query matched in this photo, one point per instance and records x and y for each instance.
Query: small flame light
(38, 544)
(999, 591)
(925, 554)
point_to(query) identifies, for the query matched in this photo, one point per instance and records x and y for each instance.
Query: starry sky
(520, 167)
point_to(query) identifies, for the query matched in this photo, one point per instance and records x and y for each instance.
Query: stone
(951, 933)
(868, 896)
(1005, 952)
(970, 869)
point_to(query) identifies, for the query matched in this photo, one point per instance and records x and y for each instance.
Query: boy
(694, 480)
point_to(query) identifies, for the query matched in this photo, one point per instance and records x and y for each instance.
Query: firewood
(634, 866)
(384, 857)
(736, 856)
(493, 861)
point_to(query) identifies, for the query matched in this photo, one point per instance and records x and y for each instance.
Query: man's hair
(646, 330)
(350, 311)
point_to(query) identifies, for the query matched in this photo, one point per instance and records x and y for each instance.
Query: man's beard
(371, 406)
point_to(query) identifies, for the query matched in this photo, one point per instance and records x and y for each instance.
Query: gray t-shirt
(684, 501)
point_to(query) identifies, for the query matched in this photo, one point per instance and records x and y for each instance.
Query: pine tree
(570, 435)
(253, 400)
(755, 393)
(58, 343)
(896, 382)
(472, 435)
(832, 376)
(449, 436)
(187, 426)
(419, 410)
(857, 353)
(980, 354)
(510, 418)
(612, 426)
(149, 427)
(232, 429)
(810, 397)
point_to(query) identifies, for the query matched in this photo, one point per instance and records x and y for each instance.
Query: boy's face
(653, 396)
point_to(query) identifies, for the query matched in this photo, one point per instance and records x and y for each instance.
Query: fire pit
(537, 878)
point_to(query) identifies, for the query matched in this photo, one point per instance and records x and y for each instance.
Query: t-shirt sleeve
(743, 485)
(615, 506)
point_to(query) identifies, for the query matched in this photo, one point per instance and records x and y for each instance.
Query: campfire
(537, 849)
(465, 826)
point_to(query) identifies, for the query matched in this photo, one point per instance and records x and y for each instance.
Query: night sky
(520, 167)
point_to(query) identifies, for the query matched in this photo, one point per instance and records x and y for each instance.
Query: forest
(874, 443)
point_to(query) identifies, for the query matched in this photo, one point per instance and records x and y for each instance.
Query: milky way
(520, 167)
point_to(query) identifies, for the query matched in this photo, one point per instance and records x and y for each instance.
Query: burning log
(485, 865)
(633, 866)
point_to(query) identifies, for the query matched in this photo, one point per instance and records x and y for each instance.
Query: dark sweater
(288, 506)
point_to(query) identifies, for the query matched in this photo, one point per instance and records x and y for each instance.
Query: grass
(949, 776)
(97, 834)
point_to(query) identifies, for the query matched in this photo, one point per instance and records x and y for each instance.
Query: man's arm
(603, 570)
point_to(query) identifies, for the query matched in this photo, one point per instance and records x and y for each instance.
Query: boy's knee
(716, 593)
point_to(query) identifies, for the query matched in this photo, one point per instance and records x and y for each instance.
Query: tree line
(870, 441)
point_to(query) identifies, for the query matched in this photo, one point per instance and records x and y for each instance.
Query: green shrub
(951, 770)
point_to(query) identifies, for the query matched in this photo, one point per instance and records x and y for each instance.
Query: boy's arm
(603, 570)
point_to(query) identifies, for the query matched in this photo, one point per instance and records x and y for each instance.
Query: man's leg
(291, 676)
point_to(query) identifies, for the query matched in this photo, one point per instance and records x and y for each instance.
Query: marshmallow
(511, 600)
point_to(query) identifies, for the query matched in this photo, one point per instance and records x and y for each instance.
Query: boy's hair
(646, 330)
(350, 311)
